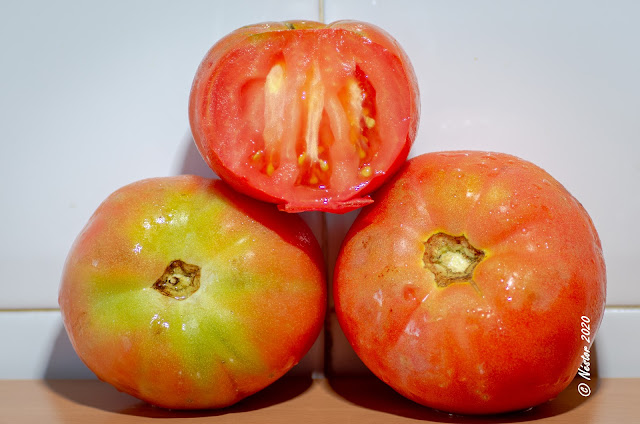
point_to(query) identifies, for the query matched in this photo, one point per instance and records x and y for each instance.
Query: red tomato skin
(212, 112)
(513, 343)
(229, 339)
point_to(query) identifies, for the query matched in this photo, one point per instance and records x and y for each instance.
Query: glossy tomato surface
(465, 284)
(306, 115)
(186, 294)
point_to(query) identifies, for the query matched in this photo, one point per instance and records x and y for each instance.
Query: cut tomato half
(305, 115)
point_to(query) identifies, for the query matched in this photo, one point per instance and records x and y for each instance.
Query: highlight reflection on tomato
(464, 285)
(187, 294)
(306, 115)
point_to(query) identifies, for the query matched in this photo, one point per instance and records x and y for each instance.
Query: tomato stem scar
(179, 280)
(451, 259)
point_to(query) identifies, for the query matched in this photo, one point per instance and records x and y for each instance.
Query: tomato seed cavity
(344, 118)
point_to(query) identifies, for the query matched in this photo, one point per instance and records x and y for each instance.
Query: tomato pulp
(187, 294)
(465, 284)
(305, 115)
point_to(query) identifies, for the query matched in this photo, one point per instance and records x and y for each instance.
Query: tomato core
(179, 280)
(330, 114)
(451, 259)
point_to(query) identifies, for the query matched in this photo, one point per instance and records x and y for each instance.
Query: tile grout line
(326, 332)
(2, 310)
(608, 308)
(622, 307)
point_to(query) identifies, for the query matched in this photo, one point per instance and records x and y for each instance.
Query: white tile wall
(35, 345)
(93, 96)
(553, 82)
(618, 343)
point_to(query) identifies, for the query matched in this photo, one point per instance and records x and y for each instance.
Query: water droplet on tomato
(409, 293)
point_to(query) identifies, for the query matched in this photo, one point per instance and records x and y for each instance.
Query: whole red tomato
(306, 115)
(186, 294)
(464, 285)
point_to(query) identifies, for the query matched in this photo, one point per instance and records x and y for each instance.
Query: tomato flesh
(464, 285)
(188, 295)
(308, 116)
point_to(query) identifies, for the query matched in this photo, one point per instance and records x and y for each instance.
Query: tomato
(306, 115)
(187, 294)
(465, 284)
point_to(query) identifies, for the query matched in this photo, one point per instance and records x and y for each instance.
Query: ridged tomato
(306, 115)
(465, 284)
(187, 294)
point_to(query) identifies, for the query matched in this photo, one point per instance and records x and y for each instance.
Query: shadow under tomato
(100, 395)
(63, 362)
(192, 162)
(69, 378)
(369, 392)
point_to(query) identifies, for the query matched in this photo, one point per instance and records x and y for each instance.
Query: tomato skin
(258, 309)
(508, 337)
(228, 112)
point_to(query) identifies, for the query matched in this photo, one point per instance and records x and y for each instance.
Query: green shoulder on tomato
(189, 295)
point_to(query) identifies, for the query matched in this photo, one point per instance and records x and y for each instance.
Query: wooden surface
(300, 400)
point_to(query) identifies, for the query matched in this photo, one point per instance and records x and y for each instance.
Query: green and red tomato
(187, 294)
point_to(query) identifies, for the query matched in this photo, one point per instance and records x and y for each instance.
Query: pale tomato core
(321, 116)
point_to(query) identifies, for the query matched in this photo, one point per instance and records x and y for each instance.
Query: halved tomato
(306, 115)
